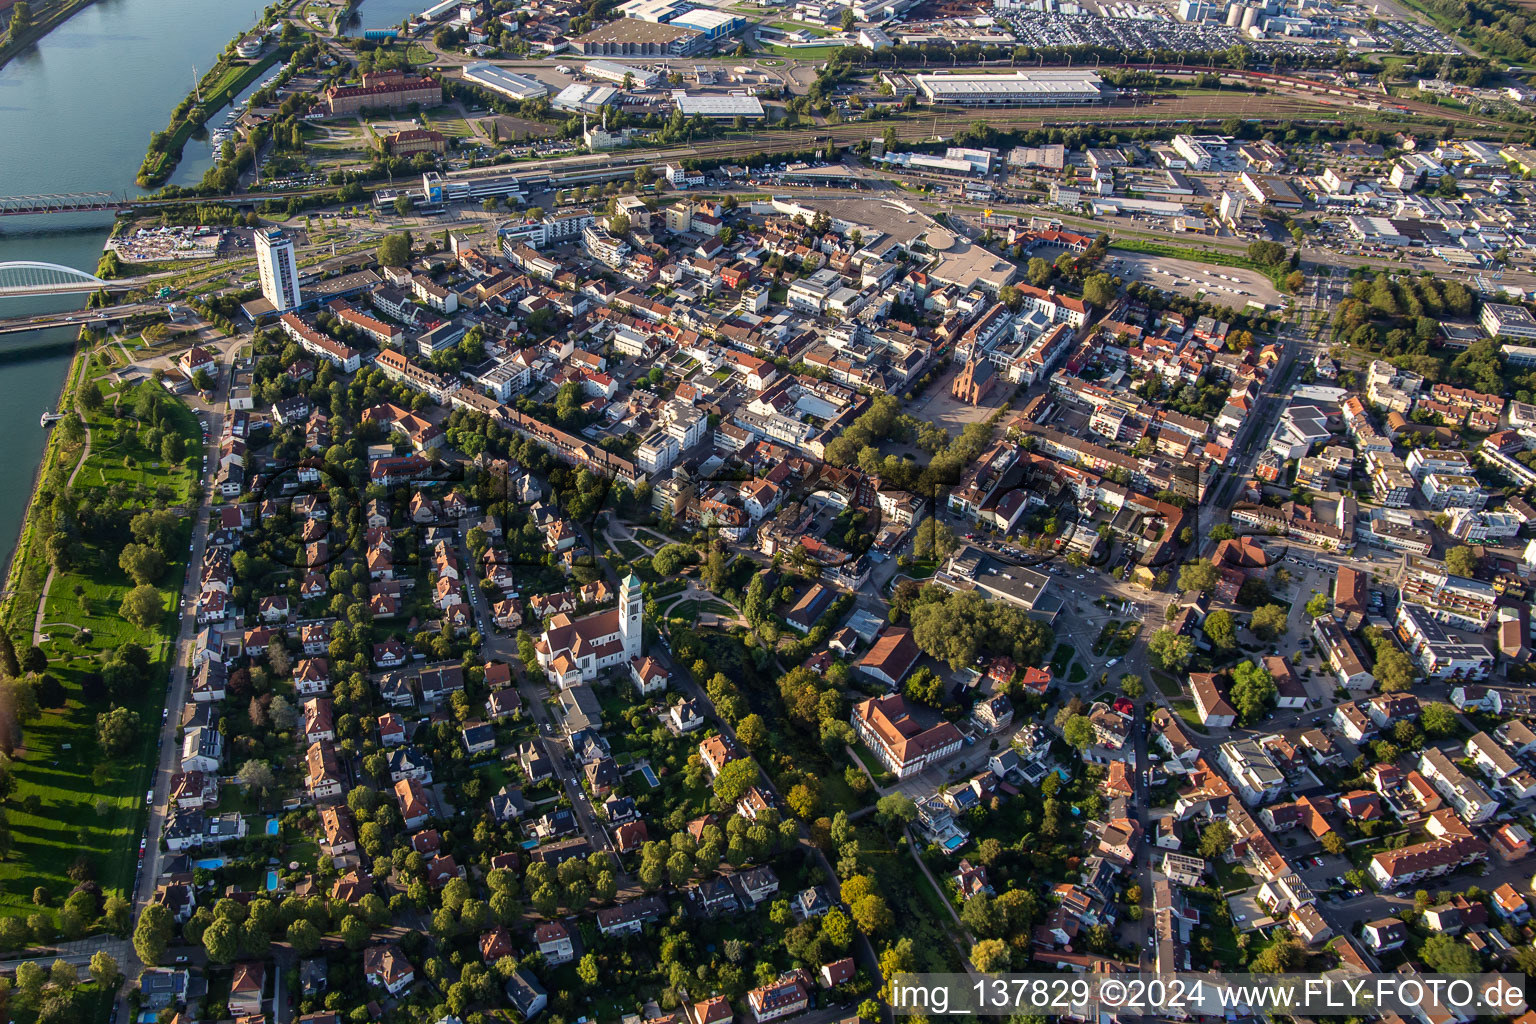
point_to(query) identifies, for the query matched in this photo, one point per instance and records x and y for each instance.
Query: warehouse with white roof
(735, 105)
(497, 79)
(1014, 89)
(609, 71)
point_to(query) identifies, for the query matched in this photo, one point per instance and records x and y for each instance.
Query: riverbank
(77, 813)
(28, 567)
(218, 88)
(51, 20)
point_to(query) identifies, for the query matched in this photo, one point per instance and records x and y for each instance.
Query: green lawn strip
(1062, 658)
(1169, 686)
(59, 812)
(221, 85)
(1076, 673)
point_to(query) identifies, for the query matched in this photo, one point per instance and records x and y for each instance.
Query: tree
(257, 775)
(1215, 839)
(1317, 607)
(1251, 692)
(1170, 651)
(142, 563)
(153, 933)
(1222, 531)
(871, 914)
(1268, 622)
(1040, 271)
(1333, 842)
(734, 780)
(1462, 560)
(402, 205)
(752, 732)
(1132, 686)
(1078, 731)
(1438, 719)
(1221, 630)
(1445, 954)
(116, 730)
(587, 969)
(895, 809)
(104, 971)
(304, 937)
(1100, 290)
(1281, 956)
(21, 19)
(395, 250)
(222, 941)
(35, 660)
(142, 606)
(9, 665)
(1199, 576)
(990, 956)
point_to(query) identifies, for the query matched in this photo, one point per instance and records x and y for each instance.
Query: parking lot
(1224, 286)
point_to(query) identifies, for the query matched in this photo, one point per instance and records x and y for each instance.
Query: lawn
(1169, 686)
(1185, 709)
(1062, 658)
(59, 811)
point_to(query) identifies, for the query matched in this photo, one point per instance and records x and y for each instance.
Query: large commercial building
(513, 86)
(278, 270)
(734, 105)
(618, 73)
(630, 37)
(1014, 89)
(382, 90)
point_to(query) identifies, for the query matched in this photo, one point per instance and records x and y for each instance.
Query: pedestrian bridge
(27, 277)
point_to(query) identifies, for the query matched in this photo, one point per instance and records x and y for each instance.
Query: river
(76, 112)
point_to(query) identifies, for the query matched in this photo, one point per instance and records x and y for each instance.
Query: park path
(42, 601)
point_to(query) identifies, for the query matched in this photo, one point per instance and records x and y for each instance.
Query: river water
(76, 112)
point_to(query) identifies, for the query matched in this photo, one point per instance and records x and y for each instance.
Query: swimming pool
(954, 843)
(209, 863)
(272, 882)
(649, 776)
(273, 826)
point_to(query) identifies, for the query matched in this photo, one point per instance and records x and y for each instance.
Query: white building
(277, 269)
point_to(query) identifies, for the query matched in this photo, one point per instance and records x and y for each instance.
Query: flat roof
(519, 87)
(1019, 82)
(718, 106)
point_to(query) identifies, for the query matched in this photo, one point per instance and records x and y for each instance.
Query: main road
(181, 655)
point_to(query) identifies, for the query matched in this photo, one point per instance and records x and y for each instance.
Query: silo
(1250, 17)
(1234, 16)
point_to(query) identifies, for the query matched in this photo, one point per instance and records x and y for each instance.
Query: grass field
(61, 810)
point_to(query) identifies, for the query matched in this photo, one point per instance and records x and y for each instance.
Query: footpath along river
(76, 113)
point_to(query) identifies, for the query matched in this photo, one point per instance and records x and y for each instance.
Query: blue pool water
(272, 882)
(649, 776)
(953, 843)
(273, 826)
(530, 844)
(209, 863)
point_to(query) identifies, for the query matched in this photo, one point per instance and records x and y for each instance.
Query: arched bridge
(28, 277)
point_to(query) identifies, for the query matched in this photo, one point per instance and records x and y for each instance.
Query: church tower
(631, 611)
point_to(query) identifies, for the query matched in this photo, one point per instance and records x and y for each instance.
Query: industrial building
(1014, 89)
(513, 86)
(734, 105)
(608, 71)
(585, 99)
(630, 37)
